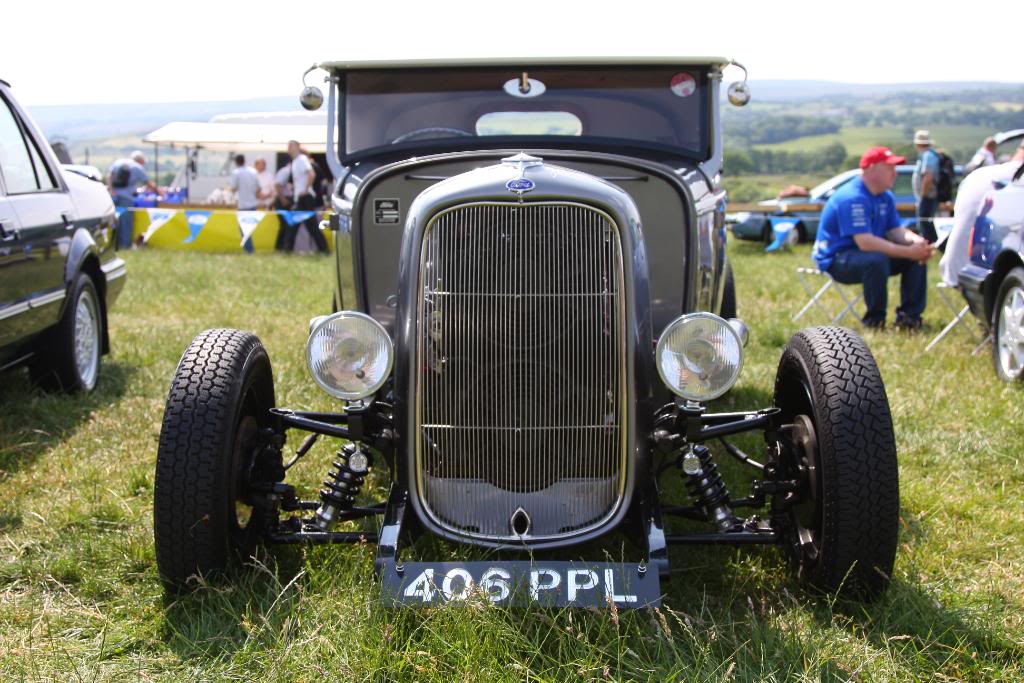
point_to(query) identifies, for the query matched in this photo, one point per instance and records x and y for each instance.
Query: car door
(10, 257)
(34, 254)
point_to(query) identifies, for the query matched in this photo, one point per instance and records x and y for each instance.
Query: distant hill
(790, 91)
(99, 121)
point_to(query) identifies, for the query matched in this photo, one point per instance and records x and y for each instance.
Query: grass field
(80, 598)
(857, 139)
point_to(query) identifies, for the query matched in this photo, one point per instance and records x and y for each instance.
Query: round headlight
(349, 355)
(699, 356)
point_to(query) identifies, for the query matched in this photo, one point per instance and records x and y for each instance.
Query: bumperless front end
(516, 410)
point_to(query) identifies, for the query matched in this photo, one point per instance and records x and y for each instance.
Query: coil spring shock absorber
(342, 484)
(707, 488)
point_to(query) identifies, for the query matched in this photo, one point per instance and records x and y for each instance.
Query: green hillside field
(856, 139)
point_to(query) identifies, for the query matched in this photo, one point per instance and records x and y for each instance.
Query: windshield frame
(633, 146)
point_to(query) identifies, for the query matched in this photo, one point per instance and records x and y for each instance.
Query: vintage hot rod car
(542, 309)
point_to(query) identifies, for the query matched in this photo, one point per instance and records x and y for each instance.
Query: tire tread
(189, 512)
(860, 477)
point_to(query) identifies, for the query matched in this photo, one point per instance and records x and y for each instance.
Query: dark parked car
(58, 270)
(993, 281)
(539, 320)
(755, 225)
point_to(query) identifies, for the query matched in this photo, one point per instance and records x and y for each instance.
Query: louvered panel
(521, 367)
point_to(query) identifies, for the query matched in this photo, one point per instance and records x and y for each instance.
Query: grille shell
(521, 370)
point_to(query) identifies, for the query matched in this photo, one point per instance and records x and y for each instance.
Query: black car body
(58, 270)
(538, 252)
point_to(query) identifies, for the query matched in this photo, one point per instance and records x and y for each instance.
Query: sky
(105, 52)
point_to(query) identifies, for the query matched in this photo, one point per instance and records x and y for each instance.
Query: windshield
(664, 108)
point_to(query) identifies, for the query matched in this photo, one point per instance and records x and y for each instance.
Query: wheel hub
(1010, 335)
(245, 439)
(806, 502)
(87, 343)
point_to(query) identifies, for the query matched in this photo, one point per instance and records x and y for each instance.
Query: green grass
(857, 139)
(80, 599)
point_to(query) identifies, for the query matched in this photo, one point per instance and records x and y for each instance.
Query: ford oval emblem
(520, 185)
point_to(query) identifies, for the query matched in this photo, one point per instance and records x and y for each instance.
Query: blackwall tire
(69, 360)
(1008, 328)
(728, 307)
(218, 401)
(843, 534)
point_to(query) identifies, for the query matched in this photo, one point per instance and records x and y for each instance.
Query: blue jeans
(873, 269)
(125, 222)
(927, 207)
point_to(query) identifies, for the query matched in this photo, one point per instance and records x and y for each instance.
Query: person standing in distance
(303, 177)
(266, 179)
(127, 175)
(246, 185)
(860, 241)
(985, 156)
(925, 181)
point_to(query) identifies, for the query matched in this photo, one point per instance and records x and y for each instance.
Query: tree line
(767, 130)
(828, 159)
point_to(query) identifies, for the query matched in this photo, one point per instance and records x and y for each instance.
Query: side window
(15, 161)
(43, 177)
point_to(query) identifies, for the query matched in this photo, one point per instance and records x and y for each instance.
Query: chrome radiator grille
(520, 370)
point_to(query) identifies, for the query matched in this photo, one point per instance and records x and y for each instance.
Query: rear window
(660, 107)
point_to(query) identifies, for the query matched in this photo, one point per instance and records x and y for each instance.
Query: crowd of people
(292, 188)
(861, 239)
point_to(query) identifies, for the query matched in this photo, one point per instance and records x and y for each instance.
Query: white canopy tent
(231, 137)
(250, 133)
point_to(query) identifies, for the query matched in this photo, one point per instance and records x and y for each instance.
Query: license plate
(549, 584)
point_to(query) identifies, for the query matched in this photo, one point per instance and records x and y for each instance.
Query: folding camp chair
(958, 316)
(805, 274)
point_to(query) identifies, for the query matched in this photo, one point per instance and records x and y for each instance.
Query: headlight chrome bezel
(690, 318)
(363, 319)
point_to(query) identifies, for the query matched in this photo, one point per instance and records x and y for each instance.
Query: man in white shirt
(303, 176)
(970, 197)
(985, 156)
(266, 179)
(246, 184)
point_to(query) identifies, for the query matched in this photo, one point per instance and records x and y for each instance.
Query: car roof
(3, 82)
(518, 62)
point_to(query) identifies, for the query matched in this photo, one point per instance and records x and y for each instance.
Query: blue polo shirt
(850, 211)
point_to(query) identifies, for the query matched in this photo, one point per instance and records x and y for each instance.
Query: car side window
(21, 163)
(43, 177)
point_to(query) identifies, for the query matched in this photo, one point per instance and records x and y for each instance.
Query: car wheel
(219, 400)
(801, 233)
(728, 307)
(841, 523)
(70, 358)
(1008, 327)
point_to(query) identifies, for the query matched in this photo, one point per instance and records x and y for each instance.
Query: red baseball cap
(880, 155)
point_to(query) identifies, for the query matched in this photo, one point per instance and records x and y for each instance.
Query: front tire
(1008, 328)
(219, 400)
(70, 357)
(844, 519)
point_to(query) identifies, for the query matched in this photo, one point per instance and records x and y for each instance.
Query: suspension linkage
(291, 418)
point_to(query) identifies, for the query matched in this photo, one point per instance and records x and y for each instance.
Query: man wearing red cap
(860, 241)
